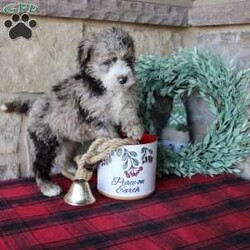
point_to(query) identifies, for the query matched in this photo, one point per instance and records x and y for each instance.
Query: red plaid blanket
(198, 213)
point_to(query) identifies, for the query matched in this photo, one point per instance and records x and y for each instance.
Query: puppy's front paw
(134, 131)
(50, 189)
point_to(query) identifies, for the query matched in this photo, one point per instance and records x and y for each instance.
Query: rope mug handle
(80, 192)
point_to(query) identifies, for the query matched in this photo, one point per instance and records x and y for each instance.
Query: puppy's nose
(122, 79)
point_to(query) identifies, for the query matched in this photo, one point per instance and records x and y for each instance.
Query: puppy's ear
(84, 49)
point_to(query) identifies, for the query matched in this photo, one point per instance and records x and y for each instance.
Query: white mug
(129, 172)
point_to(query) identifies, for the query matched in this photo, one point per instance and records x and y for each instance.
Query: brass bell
(79, 194)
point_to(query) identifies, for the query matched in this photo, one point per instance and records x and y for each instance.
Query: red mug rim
(148, 138)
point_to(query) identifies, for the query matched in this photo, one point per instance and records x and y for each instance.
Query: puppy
(90, 104)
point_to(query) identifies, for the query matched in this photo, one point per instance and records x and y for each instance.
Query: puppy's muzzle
(122, 79)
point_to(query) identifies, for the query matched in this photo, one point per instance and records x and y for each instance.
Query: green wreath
(228, 139)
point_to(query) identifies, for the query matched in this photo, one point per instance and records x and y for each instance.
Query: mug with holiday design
(129, 172)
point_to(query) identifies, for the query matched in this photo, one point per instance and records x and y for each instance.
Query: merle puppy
(83, 107)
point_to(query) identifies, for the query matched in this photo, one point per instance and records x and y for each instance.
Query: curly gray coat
(93, 103)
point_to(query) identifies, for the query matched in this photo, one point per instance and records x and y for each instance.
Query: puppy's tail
(17, 106)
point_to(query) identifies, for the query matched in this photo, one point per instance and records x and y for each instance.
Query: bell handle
(81, 174)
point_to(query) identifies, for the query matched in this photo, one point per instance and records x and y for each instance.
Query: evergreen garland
(228, 139)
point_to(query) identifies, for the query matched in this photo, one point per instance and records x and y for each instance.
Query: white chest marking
(116, 108)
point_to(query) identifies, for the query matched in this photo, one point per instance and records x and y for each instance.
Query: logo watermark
(21, 7)
(20, 24)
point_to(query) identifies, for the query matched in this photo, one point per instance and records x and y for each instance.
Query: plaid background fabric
(198, 213)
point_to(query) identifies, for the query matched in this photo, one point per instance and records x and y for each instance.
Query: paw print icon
(20, 26)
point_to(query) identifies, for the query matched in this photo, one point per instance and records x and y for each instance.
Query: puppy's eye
(130, 60)
(107, 63)
(110, 61)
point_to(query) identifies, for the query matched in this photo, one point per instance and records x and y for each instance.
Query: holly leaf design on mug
(119, 152)
(128, 158)
(147, 155)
